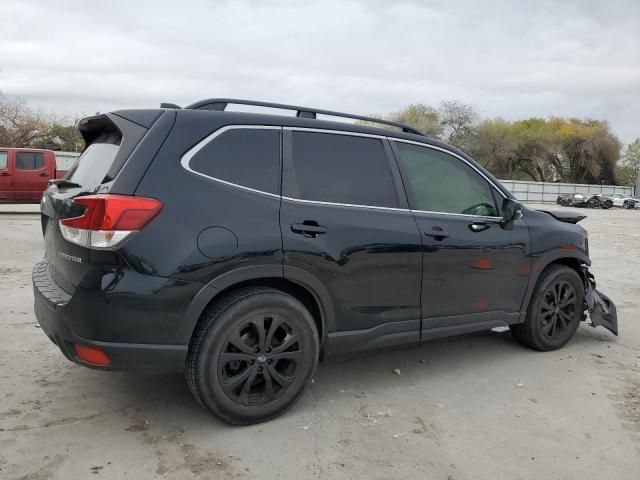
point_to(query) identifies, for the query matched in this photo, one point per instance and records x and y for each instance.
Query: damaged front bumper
(602, 311)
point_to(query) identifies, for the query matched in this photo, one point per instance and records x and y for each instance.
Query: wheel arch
(299, 284)
(571, 258)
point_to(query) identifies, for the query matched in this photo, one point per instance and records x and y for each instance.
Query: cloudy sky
(507, 58)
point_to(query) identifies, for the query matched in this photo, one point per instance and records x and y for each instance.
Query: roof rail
(220, 104)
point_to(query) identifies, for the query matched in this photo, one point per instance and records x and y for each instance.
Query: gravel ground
(472, 407)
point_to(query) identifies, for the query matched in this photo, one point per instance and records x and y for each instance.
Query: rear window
(3, 160)
(341, 169)
(90, 169)
(247, 157)
(29, 160)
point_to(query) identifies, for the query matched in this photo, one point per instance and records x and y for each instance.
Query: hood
(567, 217)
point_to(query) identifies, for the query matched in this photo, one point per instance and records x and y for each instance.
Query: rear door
(474, 271)
(5, 175)
(30, 175)
(345, 223)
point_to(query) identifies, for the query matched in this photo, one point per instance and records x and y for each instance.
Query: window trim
(186, 159)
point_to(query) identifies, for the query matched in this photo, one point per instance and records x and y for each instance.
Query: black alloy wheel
(260, 359)
(253, 355)
(557, 309)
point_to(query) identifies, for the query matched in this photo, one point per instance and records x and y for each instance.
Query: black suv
(242, 247)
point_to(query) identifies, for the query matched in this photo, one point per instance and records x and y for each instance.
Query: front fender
(542, 262)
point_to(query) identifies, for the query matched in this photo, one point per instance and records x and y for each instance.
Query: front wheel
(254, 355)
(555, 310)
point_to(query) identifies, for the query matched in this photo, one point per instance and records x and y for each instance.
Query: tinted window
(3, 160)
(90, 169)
(341, 169)
(439, 182)
(246, 157)
(29, 160)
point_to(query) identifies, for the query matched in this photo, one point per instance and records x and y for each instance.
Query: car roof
(27, 149)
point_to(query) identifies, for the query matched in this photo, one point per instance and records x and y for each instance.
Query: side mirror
(511, 211)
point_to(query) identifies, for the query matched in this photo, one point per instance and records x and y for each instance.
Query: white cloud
(507, 58)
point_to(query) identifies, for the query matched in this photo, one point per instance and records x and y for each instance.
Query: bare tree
(20, 126)
(459, 122)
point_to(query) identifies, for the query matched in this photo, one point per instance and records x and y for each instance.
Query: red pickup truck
(24, 173)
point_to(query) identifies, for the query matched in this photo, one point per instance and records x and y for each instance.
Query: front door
(344, 223)
(5, 176)
(475, 272)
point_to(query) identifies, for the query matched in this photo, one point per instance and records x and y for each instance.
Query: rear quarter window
(247, 157)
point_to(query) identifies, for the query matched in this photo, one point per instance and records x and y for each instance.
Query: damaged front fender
(602, 311)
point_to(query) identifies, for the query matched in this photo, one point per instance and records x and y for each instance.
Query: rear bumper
(49, 306)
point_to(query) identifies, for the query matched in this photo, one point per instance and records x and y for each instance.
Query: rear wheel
(254, 356)
(555, 310)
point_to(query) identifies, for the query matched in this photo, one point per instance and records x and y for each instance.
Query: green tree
(420, 116)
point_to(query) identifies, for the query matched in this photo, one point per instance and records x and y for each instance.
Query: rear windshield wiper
(63, 183)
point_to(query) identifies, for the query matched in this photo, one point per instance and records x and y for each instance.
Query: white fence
(548, 192)
(64, 160)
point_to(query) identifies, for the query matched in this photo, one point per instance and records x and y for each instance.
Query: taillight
(108, 219)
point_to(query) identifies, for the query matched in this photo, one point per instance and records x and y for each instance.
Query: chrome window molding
(334, 204)
(186, 159)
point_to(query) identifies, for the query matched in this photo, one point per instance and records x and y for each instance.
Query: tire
(538, 331)
(253, 356)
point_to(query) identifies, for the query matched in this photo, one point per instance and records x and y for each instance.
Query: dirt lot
(473, 407)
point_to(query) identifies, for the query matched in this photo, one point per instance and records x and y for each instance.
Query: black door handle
(5, 174)
(308, 229)
(437, 233)
(44, 174)
(478, 226)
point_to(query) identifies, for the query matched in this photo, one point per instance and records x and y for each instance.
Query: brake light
(108, 219)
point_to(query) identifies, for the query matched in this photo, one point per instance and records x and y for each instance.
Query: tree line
(22, 126)
(554, 149)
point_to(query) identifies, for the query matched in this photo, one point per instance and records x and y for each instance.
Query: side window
(341, 169)
(29, 160)
(247, 157)
(4, 160)
(439, 182)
